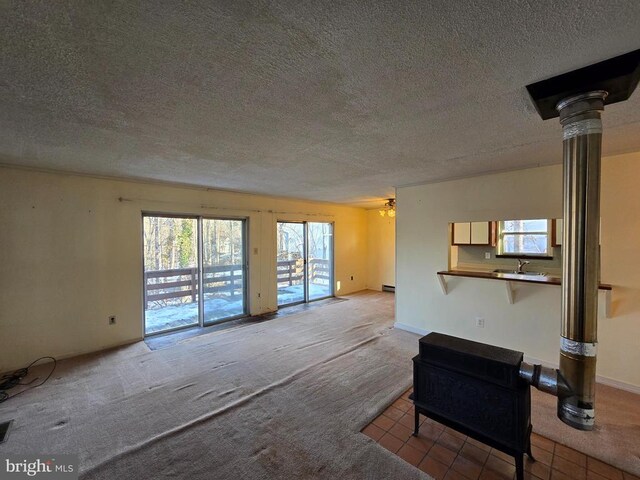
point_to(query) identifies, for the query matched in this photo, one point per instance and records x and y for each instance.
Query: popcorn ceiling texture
(336, 101)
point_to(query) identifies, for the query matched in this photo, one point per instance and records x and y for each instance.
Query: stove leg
(417, 422)
(519, 467)
(529, 452)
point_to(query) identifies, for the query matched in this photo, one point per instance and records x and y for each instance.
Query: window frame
(548, 254)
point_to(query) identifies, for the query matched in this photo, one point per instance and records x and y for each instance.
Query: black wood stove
(475, 389)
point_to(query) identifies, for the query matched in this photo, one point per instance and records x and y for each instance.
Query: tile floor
(446, 454)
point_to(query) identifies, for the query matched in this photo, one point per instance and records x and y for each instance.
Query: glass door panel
(223, 266)
(290, 270)
(320, 260)
(170, 273)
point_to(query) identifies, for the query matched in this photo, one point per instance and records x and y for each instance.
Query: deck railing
(178, 283)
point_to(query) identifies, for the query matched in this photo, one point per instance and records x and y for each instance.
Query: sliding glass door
(290, 263)
(184, 256)
(320, 260)
(304, 261)
(223, 268)
(170, 273)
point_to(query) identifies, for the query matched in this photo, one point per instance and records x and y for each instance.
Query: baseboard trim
(409, 328)
(610, 382)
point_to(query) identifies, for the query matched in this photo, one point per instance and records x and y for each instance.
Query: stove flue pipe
(574, 382)
(582, 134)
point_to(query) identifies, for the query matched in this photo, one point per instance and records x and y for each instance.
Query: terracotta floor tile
(503, 456)
(450, 441)
(433, 467)
(601, 468)
(447, 454)
(373, 432)
(401, 432)
(390, 442)
(385, 423)
(421, 443)
(538, 469)
(542, 455)
(411, 455)
(571, 455)
(488, 474)
(474, 453)
(501, 468)
(569, 468)
(466, 467)
(478, 444)
(403, 405)
(442, 454)
(542, 442)
(530, 476)
(456, 433)
(408, 421)
(591, 475)
(557, 475)
(453, 475)
(430, 431)
(393, 413)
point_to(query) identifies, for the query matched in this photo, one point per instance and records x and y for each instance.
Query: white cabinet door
(479, 233)
(462, 233)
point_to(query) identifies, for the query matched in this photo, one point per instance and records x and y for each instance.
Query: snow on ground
(186, 314)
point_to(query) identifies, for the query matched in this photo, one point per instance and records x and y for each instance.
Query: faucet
(521, 264)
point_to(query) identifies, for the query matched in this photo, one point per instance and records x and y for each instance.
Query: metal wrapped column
(582, 135)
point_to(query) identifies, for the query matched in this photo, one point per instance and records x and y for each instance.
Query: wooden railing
(291, 272)
(183, 282)
(170, 284)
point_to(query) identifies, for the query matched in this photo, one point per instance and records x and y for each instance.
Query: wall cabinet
(556, 231)
(472, 233)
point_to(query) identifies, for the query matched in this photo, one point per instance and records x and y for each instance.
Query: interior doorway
(304, 262)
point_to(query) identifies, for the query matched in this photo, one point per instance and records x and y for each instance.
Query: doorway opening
(304, 262)
(194, 271)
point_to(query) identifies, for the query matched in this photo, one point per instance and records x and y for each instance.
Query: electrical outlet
(112, 320)
(480, 322)
(487, 255)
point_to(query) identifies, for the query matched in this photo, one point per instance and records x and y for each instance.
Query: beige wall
(381, 241)
(70, 255)
(532, 323)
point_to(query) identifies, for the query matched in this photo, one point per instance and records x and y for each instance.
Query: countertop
(513, 277)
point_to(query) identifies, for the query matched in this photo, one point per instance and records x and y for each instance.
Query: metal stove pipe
(582, 136)
(574, 382)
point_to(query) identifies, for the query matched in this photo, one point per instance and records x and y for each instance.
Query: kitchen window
(524, 238)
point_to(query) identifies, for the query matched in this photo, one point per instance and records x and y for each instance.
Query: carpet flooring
(280, 399)
(285, 398)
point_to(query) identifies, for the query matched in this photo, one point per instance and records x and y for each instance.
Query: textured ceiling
(337, 101)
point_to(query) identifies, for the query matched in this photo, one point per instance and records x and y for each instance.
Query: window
(524, 237)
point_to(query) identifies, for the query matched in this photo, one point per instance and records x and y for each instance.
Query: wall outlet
(480, 322)
(112, 320)
(487, 255)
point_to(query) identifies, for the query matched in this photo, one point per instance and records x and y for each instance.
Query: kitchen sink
(514, 272)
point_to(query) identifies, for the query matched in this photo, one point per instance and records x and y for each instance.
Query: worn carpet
(285, 398)
(280, 399)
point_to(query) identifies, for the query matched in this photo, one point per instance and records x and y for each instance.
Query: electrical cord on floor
(14, 379)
